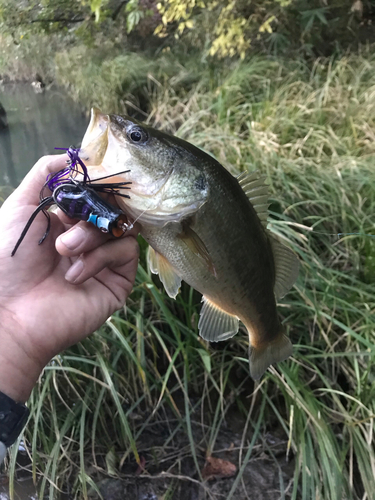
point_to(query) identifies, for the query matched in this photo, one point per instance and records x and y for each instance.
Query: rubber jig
(80, 199)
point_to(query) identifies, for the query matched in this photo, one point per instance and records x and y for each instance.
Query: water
(38, 122)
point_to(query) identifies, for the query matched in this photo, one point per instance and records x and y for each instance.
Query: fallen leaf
(141, 466)
(216, 468)
(4, 480)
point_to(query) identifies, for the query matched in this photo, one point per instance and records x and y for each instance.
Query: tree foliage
(233, 23)
(221, 28)
(231, 27)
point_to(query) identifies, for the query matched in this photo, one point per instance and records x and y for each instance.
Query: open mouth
(95, 140)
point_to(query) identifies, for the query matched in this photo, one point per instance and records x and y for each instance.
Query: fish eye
(137, 135)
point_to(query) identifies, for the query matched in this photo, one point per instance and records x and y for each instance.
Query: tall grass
(146, 378)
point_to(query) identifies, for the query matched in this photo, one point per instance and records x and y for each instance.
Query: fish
(204, 226)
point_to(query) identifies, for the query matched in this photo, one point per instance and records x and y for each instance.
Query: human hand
(54, 295)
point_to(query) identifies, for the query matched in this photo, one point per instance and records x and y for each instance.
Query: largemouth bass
(204, 226)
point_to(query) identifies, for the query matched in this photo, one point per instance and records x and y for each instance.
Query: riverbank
(309, 127)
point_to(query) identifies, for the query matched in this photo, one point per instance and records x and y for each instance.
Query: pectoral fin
(214, 324)
(196, 245)
(160, 265)
(286, 265)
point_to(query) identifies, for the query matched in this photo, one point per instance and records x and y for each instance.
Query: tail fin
(262, 357)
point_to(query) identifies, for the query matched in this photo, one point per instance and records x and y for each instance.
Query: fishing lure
(79, 199)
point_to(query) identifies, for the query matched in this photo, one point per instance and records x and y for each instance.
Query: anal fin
(160, 265)
(215, 324)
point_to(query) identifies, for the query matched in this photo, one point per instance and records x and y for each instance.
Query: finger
(120, 281)
(81, 238)
(84, 237)
(29, 190)
(114, 254)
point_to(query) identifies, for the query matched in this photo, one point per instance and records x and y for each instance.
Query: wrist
(18, 371)
(14, 382)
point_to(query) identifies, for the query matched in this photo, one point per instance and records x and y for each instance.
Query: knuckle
(44, 162)
(49, 163)
(101, 255)
(91, 237)
(134, 250)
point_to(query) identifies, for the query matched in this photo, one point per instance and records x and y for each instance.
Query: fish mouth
(100, 152)
(103, 148)
(95, 141)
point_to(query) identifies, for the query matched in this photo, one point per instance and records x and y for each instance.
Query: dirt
(261, 481)
(170, 473)
(168, 470)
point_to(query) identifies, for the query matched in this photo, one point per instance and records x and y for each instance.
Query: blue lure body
(79, 201)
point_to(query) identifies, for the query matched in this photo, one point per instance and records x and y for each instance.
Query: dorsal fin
(286, 262)
(253, 185)
(286, 267)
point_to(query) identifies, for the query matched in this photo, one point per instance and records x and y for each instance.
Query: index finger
(29, 190)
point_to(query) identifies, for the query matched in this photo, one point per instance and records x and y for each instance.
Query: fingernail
(74, 272)
(73, 238)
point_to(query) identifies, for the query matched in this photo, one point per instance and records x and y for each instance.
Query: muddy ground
(169, 472)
